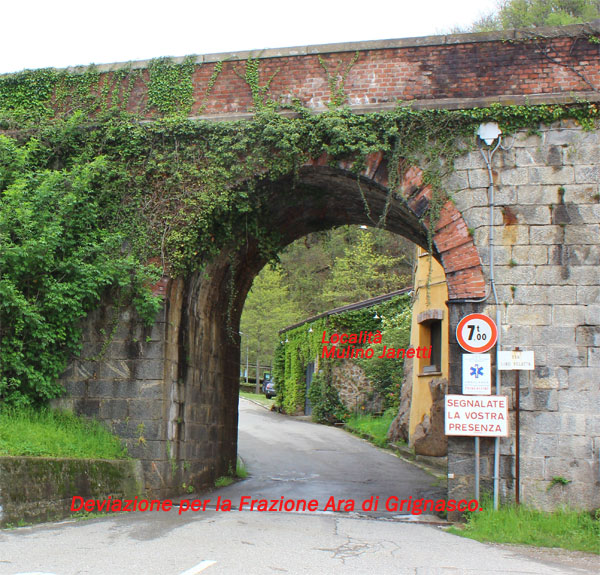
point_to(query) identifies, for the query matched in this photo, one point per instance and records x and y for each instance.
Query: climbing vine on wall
(300, 347)
(252, 78)
(170, 89)
(337, 80)
(89, 194)
(304, 344)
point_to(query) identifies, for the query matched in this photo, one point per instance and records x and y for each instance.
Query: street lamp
(247, 354)
(489, 132)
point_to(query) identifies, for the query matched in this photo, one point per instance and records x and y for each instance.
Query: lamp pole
(490, 133)
(247, 365)
(242, 347)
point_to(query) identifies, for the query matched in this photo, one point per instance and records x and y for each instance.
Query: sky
(61, 33)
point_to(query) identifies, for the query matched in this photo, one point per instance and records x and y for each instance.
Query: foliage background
(320, 272)
(534, 13)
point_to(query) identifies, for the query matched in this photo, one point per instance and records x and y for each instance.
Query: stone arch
(171, 392)
(201, 378)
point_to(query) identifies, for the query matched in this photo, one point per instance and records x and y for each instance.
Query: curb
(406, 454)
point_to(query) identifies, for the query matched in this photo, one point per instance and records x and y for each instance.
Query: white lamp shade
(489, 132)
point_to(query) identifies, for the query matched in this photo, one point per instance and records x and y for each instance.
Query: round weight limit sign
(477, 333)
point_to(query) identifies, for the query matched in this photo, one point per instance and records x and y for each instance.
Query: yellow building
(429, 376)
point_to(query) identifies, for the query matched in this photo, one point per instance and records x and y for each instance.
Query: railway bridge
(171, 390)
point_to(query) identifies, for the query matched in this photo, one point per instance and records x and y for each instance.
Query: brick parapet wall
(456, 71)
(547, 256)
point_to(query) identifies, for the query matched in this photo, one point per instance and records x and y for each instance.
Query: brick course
(552, 63)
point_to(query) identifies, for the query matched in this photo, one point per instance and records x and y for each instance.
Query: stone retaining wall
(34, 489)
(355, 389)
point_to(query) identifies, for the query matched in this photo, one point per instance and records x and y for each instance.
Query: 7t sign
(477, 333)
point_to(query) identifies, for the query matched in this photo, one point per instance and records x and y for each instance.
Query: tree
(387, 373)
(534, 13)
(268, 308)
(364, 272)
(307, 265)
(310, 262)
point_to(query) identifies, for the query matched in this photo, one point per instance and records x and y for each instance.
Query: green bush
(372, 427)
(57, 258)
(386, 373)
(325, 401)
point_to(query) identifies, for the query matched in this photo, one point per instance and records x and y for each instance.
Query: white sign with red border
(477, 415)
(477, 333)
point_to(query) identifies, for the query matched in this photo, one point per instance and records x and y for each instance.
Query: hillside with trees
(316, 273)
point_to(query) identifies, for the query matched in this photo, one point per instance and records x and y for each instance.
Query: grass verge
(51, 433)
(372, 427)
(568, 529)
(258, 397)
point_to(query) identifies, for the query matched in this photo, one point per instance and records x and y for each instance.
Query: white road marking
(200, 567)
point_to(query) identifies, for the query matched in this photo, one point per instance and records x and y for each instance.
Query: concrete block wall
(547, 266)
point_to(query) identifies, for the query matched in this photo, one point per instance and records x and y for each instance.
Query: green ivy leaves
(56, 260)
(170, 89)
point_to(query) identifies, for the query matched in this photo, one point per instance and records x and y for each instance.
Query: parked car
(265, 379)
(269, 388)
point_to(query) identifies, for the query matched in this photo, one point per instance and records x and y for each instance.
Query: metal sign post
(517, 438)
(517, 360)
(477, 467)
(477, 333)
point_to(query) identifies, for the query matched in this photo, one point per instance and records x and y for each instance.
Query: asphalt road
(291, 459)
(297, 459)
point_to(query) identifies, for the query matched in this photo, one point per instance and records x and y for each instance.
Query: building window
(435, 341)
(430, 332)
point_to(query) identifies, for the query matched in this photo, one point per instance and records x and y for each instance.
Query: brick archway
(453, 245)
(178, 378)
(182, 386)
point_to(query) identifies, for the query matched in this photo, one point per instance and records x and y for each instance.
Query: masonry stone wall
(355, 389)
(149, 385)
(547, 268)
(35, 489)
(119, 379)
(170, 390)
